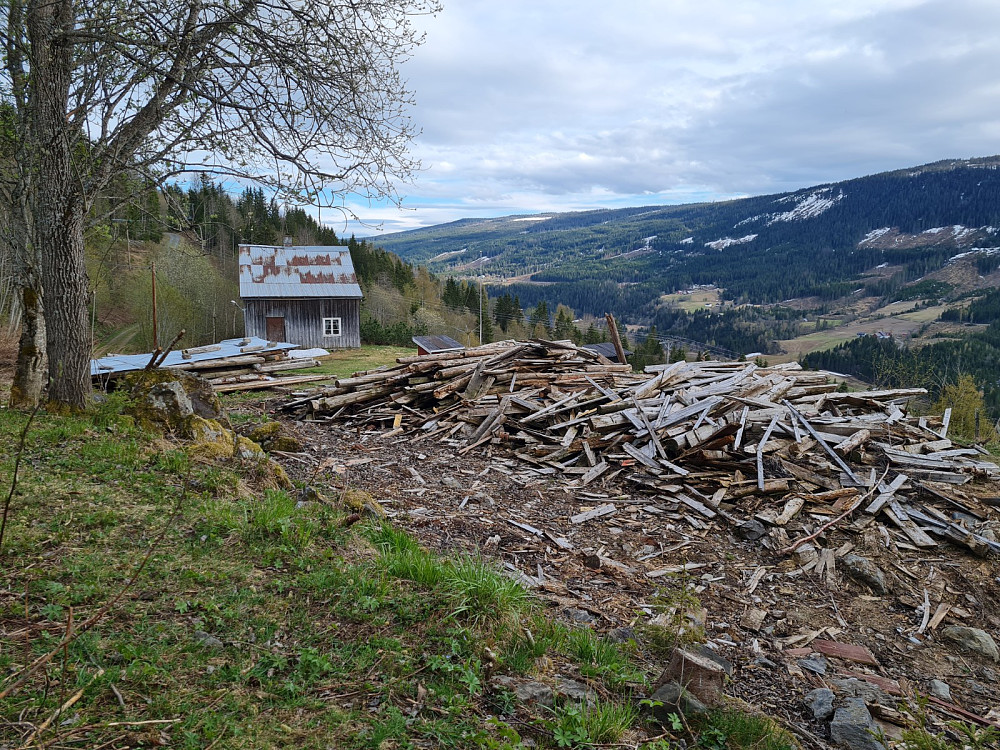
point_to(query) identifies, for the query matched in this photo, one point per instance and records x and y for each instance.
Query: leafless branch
(13, 481)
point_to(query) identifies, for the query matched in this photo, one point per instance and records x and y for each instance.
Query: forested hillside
(814, 242)
(189, 237)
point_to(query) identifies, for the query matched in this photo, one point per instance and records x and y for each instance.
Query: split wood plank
(760, 452)
(846, 651)
(603, 510)
(833, 454)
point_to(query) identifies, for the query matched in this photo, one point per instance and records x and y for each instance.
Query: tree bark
(29, 373)
(66, 295)
(58, 218)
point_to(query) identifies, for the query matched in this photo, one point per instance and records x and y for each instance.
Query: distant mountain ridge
(823, 241)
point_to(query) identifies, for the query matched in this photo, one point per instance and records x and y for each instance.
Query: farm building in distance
(301, 295)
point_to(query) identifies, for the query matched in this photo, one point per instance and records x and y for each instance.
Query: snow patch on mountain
(975, 251)
(874, 235)
(728, 241)
(809, 207)
(957, 231)
(687, 241)
(752, 219)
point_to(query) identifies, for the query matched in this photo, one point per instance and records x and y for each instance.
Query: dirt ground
(762, 612)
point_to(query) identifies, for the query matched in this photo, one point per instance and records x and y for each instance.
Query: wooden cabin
(301, 295)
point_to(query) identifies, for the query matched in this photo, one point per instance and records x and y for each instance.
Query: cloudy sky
(556, 105)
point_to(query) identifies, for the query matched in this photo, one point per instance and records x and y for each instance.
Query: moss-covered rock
(266, 431)
(274, 436)
(359, 501)
(212, 443)
(165, 400)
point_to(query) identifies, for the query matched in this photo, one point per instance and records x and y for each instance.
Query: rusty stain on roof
(270, 271)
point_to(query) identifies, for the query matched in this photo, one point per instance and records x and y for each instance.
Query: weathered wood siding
(304, 320)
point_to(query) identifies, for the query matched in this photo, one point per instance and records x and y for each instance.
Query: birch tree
(303, 95)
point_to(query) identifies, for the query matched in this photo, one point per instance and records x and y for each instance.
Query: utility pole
(156, 344)
(481, 309)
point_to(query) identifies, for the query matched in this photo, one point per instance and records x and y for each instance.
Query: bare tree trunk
(66, 310)
(58, 219)
(29, 373)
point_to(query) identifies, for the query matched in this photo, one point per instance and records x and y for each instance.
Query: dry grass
(8, 351)
(693, 301)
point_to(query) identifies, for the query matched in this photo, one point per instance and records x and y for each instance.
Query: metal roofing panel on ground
(117, 363)
(433, 344)
(606, 350)
(269, 271)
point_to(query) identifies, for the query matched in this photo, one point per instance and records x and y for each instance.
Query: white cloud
(561, 105)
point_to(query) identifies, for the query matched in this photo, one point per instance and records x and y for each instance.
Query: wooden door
(275, 328)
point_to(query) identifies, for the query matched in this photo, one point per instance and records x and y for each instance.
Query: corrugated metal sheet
(431, 344)
(270, 271)
(228, 348)
(607, 350)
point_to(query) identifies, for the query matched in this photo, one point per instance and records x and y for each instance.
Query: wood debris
(234, 365)
(687, 433)
(750, 487)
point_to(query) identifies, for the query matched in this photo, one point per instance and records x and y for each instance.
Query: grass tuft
(597, 723)
(740, 730)
(482, 594)
(602, 658)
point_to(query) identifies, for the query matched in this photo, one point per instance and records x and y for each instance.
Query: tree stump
(698, 674)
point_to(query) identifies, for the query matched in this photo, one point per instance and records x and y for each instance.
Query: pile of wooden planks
(249, 370)
(431, 383)
(718, 440)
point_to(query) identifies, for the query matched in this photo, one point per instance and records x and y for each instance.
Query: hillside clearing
(262, 618)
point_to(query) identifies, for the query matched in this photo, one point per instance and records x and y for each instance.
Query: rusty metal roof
(268, 271)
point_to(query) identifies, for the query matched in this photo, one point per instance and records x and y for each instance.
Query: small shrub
(736, 729)
(675, 625)
(601, 658)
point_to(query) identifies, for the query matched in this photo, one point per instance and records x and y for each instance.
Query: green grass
(259, 622)
(738, 730)
(344, 363)
(584, 725)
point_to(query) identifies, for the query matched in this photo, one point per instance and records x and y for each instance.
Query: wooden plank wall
(304, 320)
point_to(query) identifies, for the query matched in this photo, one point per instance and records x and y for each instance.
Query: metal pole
(481, 309)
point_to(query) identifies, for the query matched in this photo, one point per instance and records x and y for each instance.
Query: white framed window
(331, 326)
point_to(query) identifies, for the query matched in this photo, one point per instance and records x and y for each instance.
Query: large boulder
(187, 407)
(168, 399)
